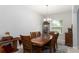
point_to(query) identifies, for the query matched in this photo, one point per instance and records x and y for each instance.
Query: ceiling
(50, 9)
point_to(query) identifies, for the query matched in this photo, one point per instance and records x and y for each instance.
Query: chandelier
(47, 17)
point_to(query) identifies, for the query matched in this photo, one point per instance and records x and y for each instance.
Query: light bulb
(48, 19)
(44, 19)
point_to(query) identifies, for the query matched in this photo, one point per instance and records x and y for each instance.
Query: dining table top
(40, 41)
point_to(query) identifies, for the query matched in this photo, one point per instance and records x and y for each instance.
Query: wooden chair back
(51, 33)
(38, 34)
(33, 34)
(53, 43)
(56, 36)
(27, 45)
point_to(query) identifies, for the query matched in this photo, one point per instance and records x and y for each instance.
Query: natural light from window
(56, 25)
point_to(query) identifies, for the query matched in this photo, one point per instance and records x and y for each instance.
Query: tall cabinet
(69, 38)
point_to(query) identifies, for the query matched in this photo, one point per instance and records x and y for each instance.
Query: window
(56, 25)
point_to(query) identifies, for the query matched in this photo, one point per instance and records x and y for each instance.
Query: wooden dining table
(40, 41)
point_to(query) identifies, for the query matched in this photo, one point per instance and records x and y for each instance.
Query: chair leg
(52, 49)
(56, 45)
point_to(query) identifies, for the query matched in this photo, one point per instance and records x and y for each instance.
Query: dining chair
(27, 45)
(38, 34)
(33, 34)
(53, 42)
(51, 33)
(57, 35)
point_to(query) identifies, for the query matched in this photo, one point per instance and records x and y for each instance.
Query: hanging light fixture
(48, 17)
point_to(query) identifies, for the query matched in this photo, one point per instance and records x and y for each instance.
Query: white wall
(76, 26)
(75, 21)
(18, 20)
